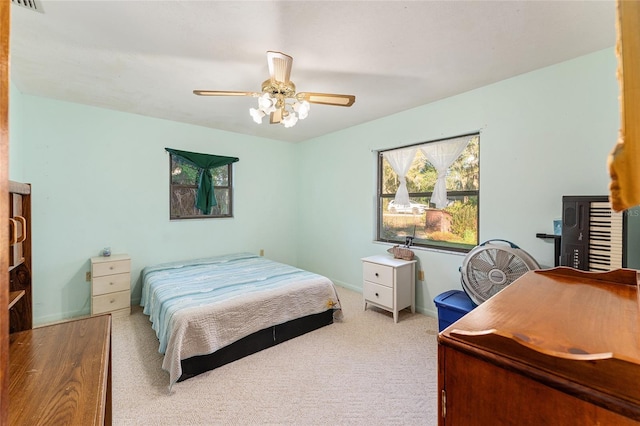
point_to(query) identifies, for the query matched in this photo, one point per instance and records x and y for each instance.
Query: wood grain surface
(60, 374)
(5, 15)
(564, 330)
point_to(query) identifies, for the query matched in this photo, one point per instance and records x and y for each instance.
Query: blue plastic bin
(452, 305)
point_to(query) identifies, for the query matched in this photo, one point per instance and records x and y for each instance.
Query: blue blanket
(171, 287)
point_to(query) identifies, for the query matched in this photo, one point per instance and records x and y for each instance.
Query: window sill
(425, 249)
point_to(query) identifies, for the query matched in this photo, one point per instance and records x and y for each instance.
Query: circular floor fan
(490, 267)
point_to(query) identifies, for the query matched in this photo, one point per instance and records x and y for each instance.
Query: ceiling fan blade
(279, 66)
(276, 116)
(224, 93)
(327, 98)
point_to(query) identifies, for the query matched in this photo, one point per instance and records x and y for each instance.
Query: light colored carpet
(364, 370)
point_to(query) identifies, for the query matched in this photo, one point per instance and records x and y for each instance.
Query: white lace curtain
(442, 155)
(400, 161)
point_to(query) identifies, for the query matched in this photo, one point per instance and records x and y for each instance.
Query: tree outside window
(184, 186)
(437, 214)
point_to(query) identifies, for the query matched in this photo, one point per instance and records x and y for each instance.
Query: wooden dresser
(61, 374)
(556, 347)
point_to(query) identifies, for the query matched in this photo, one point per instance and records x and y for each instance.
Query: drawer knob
(377, 295)
(377, 274)
(112, 301)
(110, 283)
(111, 267)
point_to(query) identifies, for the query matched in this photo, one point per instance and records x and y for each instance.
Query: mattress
(199, 306)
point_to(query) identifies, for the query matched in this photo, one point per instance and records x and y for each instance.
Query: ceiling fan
(279, 98)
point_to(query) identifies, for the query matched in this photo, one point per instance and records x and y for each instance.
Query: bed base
(253, 343)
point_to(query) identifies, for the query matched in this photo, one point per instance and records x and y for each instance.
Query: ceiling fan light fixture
(257, 115)
(302, 108)
(290, 120)
(266, 103)
(279, 98)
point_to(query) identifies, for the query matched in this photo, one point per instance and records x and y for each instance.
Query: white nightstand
(111, 285)
(389, 283)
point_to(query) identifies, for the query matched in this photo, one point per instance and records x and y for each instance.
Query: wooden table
(556, 347)
(61, 374)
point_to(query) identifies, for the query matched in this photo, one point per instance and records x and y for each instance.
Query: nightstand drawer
(111, 284)
(379, 274)
(378, 294)
(110, 302)
(109, 268)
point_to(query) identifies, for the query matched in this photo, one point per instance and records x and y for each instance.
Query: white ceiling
(146, 57)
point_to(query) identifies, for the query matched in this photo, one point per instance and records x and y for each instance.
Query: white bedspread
(200, 306)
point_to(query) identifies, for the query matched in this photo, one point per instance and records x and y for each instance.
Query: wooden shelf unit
(20, 300)
(14, 266)
(15, 296)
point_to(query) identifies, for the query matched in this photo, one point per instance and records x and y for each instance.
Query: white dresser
(111, 285)
(389, 283)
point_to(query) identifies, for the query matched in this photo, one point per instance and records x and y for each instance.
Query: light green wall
(100, 178)
(543, 135)
(16, 124)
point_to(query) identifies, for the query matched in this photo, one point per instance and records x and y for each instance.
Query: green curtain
(205, 198)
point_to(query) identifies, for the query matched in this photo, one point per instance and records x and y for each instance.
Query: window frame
(173, 186)
(443, 246)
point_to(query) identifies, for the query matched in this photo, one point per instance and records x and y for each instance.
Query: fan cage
(489, 268)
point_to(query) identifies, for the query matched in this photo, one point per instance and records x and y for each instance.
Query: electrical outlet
(421, 275)
(88, 276)
(261, 252)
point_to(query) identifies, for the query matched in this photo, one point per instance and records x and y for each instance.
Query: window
(201, 185)
(430, 191)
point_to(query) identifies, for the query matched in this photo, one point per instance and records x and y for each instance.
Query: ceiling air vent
(29, 4)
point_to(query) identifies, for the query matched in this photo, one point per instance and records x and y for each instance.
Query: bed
(208, 312)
